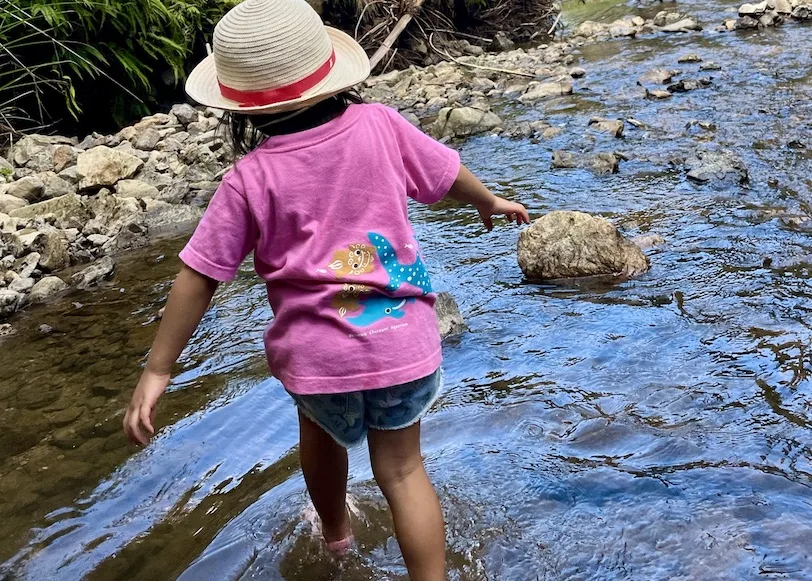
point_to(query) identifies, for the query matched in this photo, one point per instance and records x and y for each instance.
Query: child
(320, 199)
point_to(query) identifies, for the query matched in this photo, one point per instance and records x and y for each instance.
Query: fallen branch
(475, 66)
(393, 36)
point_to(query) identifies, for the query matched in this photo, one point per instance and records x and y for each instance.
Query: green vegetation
(95, 63)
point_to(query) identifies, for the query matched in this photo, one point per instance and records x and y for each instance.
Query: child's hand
(141, 412)
(511, 210)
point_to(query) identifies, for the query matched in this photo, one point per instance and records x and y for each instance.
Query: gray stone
(21, 285)
(710, 66)
(147, 139)
(689, 58)
(10, 301)
(464, 121)
(564, 244)
(449, 318)
(136, 189)
(47, 287)
(782, 6)
(53, 251)
(613, 127)
(543, 90)
(658, 94)
(577, 73)
(665, 17)
(657, 77)
(102, 166)
(28, 264)
(29, 189)
(501, 42)
(753, 9)
(68, 211)
(716, 166)
(564, 160)
(685, 25)
(162, 217)
(98, 239)
(745, 22)
(802, 12)
(605, 163)
(184, 113)
(54, 186)
(70, 174)
(10, 203)
(686, 85)
(64, 157)
(94, 274)
(646, 241)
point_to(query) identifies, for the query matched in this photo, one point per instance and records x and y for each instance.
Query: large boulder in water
(564, 244)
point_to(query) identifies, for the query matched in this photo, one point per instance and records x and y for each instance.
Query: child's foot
(341, 547)
(338, 538)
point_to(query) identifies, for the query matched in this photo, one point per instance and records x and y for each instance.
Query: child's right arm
(188, 300)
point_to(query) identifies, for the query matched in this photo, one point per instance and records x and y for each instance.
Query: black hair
(246, 132)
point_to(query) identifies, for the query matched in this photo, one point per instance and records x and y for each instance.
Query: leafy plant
(95, 63)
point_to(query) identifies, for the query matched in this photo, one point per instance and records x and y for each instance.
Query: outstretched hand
(499, 206)
(140, 416)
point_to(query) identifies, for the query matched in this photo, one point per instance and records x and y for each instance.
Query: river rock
(501, 42)
(68, 211)
(564, 160)
(136, 189)
(658, 94)
(46, 287)
(564, 244)
(685, 25)
(686, 85)
(666, 17)
(657, 77)
(10, 203)
(746, 22)
(147, 139)
(10, 301)
(536, 92)
(53, 251)
(54, 186)
(753, 9)
(605, 163)
(22, 429)
(802, 12)
(94, 274)
(689, 58)
(613, 127)
(577, 72)
(716, 166)
(28, 188)
(162, 217)
(21, 285)
(64, 157)
(464, 121)
(449, 318)
(102, 166)
(184, 113)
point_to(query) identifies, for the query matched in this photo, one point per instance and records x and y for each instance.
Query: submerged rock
(536, 92)
(47, 287)
(685, 25)
(613, 127)
(686, 85)
(94, 274)
(449, 319)
(716, 166)
(564, 244)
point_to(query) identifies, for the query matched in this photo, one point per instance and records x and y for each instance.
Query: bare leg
(398, 468)
(324, 464)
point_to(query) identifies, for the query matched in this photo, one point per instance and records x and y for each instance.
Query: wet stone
(34, 396)
(61, 418)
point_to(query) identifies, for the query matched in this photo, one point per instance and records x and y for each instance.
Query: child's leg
(324, 464)
(398, 468)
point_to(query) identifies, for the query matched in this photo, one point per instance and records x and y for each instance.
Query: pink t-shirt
(324, 212)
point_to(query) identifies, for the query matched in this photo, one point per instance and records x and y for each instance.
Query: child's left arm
(468, 189)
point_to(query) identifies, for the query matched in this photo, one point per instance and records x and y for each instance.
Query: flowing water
(654, 429)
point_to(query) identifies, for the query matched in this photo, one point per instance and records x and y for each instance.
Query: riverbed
(657, 428)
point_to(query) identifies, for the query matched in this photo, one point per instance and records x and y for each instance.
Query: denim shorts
(348, 416)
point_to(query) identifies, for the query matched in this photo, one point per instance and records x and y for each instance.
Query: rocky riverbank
(67, 207)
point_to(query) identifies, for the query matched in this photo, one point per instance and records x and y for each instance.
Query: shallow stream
(656, 429)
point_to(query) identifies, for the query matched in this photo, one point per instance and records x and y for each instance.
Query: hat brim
(351, 68)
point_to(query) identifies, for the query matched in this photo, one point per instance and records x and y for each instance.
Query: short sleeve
(431, 167)
(224, 237)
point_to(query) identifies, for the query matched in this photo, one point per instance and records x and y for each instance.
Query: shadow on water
(654, 428)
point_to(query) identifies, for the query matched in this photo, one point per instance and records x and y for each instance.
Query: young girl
(320, 199)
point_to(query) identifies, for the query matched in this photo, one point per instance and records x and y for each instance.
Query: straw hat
(272, 56)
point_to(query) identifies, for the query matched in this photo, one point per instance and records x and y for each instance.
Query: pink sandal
(341, 547)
